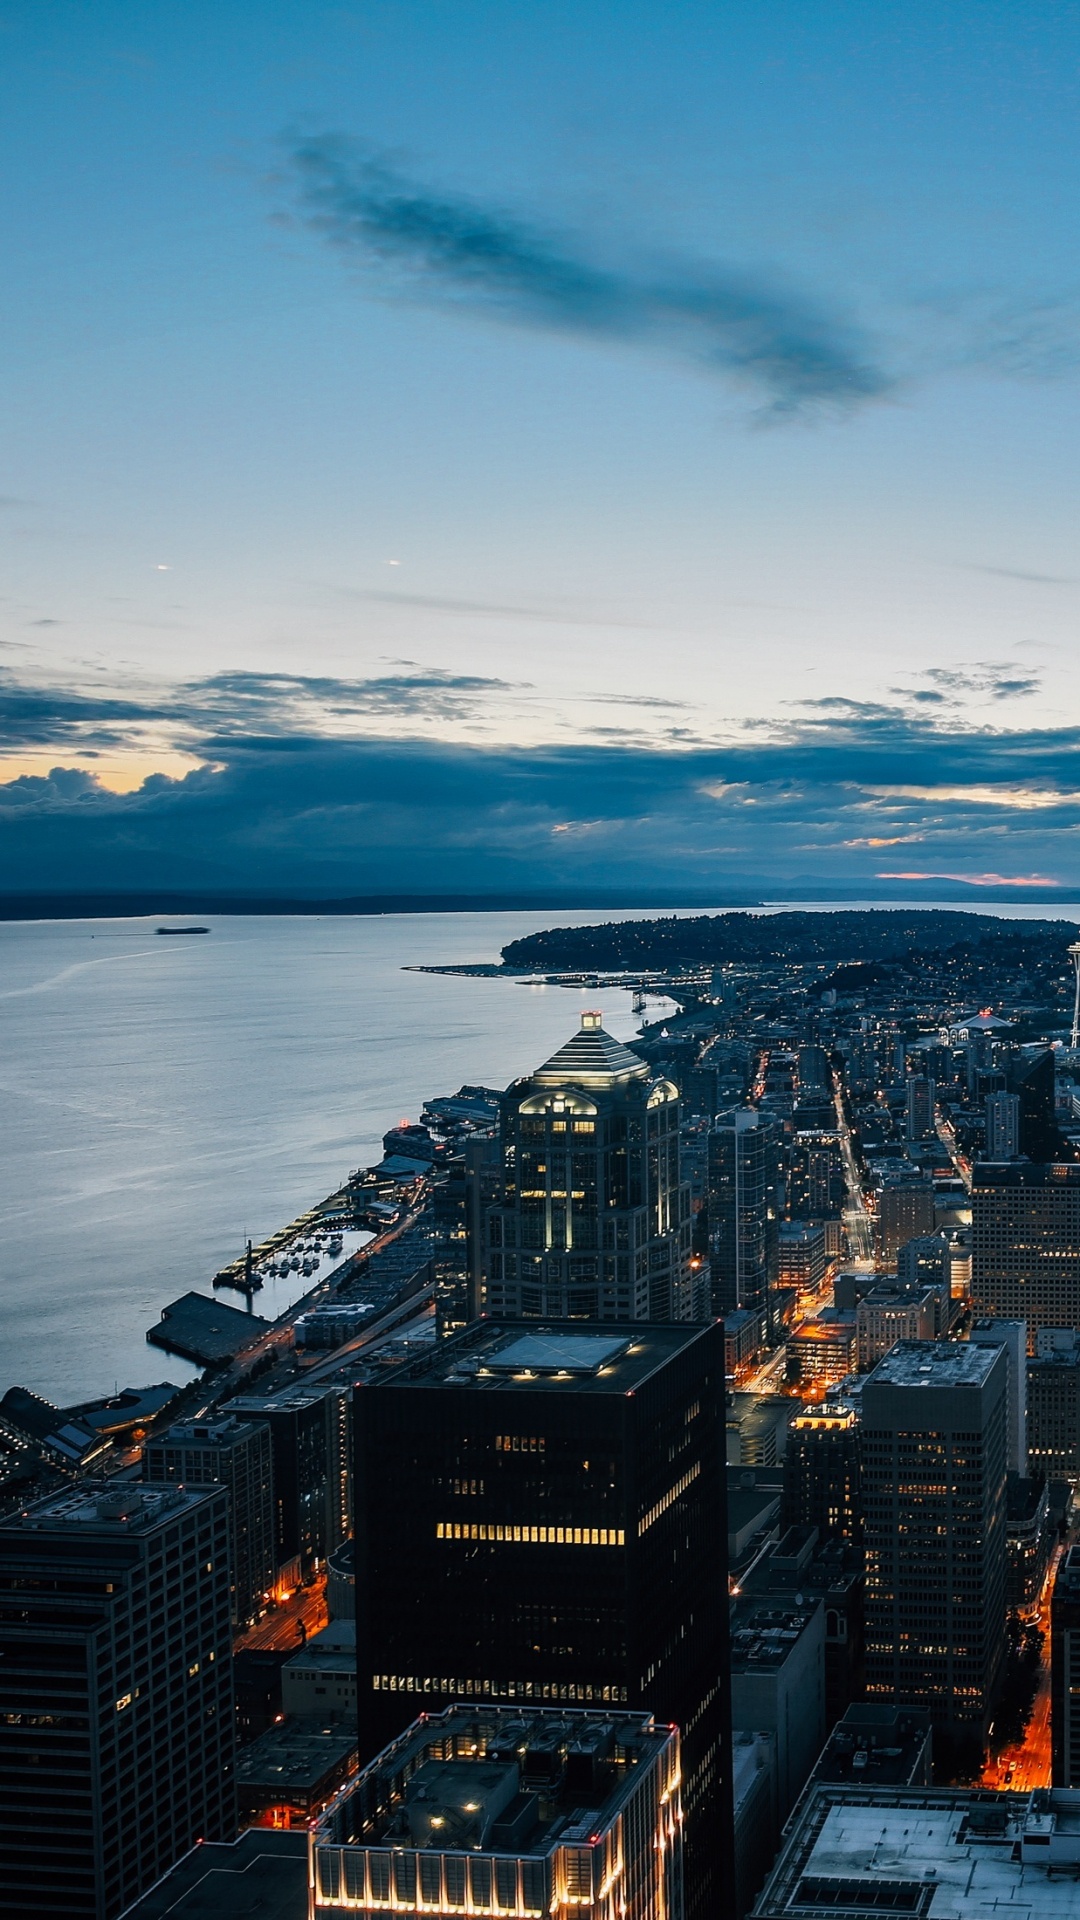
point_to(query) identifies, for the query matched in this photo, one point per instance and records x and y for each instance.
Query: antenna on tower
(1074, 955)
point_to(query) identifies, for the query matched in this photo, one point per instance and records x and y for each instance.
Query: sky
(459, 446)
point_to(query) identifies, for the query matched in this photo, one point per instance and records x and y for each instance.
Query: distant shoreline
(144, 905)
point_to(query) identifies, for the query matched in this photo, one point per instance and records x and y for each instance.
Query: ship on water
(181, 929)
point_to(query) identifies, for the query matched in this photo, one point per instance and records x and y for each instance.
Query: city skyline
(554, 446)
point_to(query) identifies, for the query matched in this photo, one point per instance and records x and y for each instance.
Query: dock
(205, 1331)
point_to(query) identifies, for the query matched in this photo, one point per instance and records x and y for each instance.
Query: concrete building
(778, 1681)
(288, 1775)
(893, 1311)
(905, 1212)
(1025, 1243)
(802, 1566)
(757, 1821)
(318, 1681)
(943, 1853)
(540, 1519)
(234, 1454)
(801, 1256)
(116, 1705)
(594, 1219)
(1065, 1671)
(934, 1505)
(564, 1813)
(1012, 1335)
(874, 1745)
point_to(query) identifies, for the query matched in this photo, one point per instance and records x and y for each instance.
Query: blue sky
(657, 421)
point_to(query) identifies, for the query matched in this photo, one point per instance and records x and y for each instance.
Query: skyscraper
(594, 1219)
(309, 1438)
(116, 1706)
(920, 1106)
(1025, 1242)
(933, 1491)
(743, 1224)
(540, 1520)
(234, 1454)
(821, 1474)
(1002, 1126)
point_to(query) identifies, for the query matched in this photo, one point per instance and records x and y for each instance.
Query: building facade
(117, 1735)
(934, 1469)
(540, 1522)
(310, 1450)
(234, 1454)
(1025, 1242)
(594, 1219)
(1065, 1671)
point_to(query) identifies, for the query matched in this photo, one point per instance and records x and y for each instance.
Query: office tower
(1012, 1335)
(1002, 1126)
(594, 1220)
(1065, 1672)
(920, 1107)
(1025, 1243)
(116, 1705)
(234, 1454)
(821, 1474)
(1053, 1408)
(1030, 1077)
(933, 1491)
(483, 1180)
(905, 1211)
(927, 1261)
(801, 1257)
(309, 1441)
(814, 1070)
(540, 1520)
(525, 1811)
(743, 1225)
(449, 1244)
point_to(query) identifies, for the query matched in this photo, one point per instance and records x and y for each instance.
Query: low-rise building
(823, 1351)
(875, 1745)
(289, 1773)
(320, 1678)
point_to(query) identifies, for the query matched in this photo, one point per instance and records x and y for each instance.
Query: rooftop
(104, 1507)
(591, 1059)
(876, 1745)
(508, 1356)
(935, 1363)
(265, 1872)
(765, 1631)
(512, 1780)
(295, 1756)
(946, 1854)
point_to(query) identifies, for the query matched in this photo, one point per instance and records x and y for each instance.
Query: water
(162, 1100)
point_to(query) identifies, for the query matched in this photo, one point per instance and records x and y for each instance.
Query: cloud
(436, 247)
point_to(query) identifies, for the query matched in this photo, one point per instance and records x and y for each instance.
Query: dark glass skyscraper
(540, 1519)
(594, 1219)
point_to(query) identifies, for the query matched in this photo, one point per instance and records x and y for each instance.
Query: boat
(169, 930)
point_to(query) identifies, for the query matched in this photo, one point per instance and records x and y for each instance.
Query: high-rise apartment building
(743, 1222)
(116, 1703)
(540, 1521)
(521, 1811)
(234, 1454)
(1025, 1242)
(921, 1093)
(1002, 1126)
(934, 1467)
(594, 1219)
(1065, 1671)
(310, 1449)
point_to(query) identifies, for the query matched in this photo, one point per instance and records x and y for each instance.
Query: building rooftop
(553, 1357)
(935, 1363)
(511, 1780)
(265, 1872)
(876, 1745)
(593, 1058)
(942, 1854)
(766, 1630)
(295, 1756)
(104, 1507)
